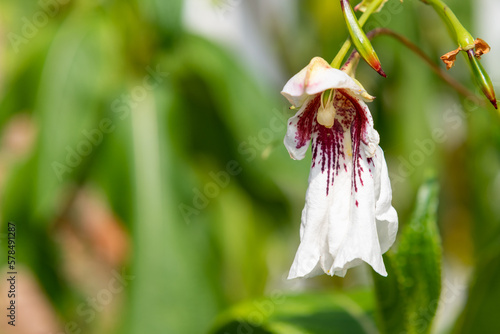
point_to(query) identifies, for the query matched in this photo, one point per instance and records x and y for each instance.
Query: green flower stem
(461, 89)
(467, 44)
(337, 61)
(463, 37)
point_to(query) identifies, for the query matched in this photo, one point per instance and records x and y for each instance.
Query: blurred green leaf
(480, 314)
(67, 103)
(221, 101)
(391, 299)
(168, 286)
(164, 15)
(409, 296)
(305, 313)
(70, 94)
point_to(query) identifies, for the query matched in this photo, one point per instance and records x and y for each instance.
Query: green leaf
(391, 298)
(72, 94)
(409, 296)
(170, 282)
(67, 103)
(305, 313)
(165, 16)
(480, 311)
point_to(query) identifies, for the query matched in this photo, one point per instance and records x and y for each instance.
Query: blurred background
(141, 160)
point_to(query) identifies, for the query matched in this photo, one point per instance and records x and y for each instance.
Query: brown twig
(461, 89)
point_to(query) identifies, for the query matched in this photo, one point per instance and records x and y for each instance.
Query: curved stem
(463, 37)
(461, 89)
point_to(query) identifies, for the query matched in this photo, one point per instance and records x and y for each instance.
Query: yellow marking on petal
(364, 94)
(348, 147)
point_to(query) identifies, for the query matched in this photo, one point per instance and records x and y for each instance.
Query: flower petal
(339, 231)
(322, 79)
(361, 107)
(298, 134)
(315, 78)
(328, 169)
(387, 218)
(360, 241)
(371, 139)
(294, 89)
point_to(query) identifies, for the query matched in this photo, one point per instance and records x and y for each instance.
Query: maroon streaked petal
(299, 129)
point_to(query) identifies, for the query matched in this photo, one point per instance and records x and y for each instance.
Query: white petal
(298, 136)
(294, 89)
(372, 140)
(357, 100)
(387, 218)
(313, 256)
(315, 78)
(348, 217)
(328, 78)
(350, 225)
(361, 241)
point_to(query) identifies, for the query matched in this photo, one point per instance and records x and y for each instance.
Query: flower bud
(359, 39)
(482, 78)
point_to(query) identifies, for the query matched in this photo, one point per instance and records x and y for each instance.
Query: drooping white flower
(348, 217)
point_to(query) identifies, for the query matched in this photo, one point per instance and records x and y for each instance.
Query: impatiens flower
(348, 217)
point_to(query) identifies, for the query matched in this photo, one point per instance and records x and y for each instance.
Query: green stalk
(463, 37)
(467, 44)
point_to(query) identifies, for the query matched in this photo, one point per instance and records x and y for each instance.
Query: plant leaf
(409, 296)
(305, 313)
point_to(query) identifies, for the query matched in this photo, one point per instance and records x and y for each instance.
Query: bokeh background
(141, 160)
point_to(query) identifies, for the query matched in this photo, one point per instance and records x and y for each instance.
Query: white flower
(348, 217)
